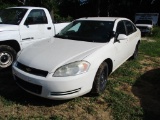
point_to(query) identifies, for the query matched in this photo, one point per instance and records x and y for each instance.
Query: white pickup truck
(22, 26)
(146, 21)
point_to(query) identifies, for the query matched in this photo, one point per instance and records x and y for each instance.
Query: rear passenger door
(132, 36)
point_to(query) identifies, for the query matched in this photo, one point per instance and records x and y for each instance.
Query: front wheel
(7, 56)
(101, 78)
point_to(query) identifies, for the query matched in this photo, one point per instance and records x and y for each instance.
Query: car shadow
(9, 91)
(147, 89)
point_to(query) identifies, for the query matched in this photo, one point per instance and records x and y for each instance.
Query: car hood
(4, 27)
(50, 54)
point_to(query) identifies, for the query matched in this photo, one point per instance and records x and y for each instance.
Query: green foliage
(59, 19)
(156, 32)
(51, 5)
(56, 118)
(122, 106)
(5, 5)
(151, 48)
(6, 102)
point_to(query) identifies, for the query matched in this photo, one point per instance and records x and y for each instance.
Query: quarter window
(130, 27)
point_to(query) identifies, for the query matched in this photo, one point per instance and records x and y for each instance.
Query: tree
(22, 1)
(87, 8)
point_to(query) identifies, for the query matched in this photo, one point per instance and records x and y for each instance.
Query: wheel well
(13, 43)
(110, 64)
(138, 42)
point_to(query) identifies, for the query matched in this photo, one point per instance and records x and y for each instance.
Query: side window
(121, 28)
(130, 28)
(36, 17)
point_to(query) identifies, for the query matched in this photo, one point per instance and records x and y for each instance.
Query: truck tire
(101, 79)
(7, 56)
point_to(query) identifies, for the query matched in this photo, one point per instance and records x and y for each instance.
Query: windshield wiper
(61, 36)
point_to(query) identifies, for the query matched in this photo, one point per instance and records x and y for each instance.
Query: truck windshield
(144, 22)
(12, 16)
(89, 31)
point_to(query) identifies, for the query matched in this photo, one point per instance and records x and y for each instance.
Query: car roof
(102, 18)
(27, 7)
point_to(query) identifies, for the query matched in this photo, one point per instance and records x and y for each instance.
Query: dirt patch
(148, 39)
(149, 63)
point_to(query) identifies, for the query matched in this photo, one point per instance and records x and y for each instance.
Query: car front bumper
(58, 88)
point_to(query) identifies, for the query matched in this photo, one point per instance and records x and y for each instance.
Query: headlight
(72, 69)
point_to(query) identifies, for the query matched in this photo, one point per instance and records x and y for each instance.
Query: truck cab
(146, 21)
(20, 27)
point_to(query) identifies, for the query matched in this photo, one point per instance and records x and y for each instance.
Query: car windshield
(143, 22)
(12, 16)
(89, 31)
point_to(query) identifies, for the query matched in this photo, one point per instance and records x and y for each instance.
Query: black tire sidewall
(97, 81)
(135, 55)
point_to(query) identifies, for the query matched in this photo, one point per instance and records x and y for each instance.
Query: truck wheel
(7, 56)
(100, 80)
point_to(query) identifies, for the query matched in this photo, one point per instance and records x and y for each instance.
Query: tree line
(71, 9)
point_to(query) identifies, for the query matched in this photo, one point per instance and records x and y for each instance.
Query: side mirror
(122, 37)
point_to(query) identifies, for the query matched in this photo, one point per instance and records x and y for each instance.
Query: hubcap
(5, 59)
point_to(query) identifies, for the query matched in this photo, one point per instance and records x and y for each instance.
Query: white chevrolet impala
(78, 60)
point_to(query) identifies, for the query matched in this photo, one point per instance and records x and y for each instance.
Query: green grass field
(132, 93)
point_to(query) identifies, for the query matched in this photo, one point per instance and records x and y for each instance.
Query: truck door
(35, 28)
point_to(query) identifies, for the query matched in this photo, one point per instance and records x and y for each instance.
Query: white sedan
(78, 60)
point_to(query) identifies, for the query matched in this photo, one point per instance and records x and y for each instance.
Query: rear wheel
(101, 78)
(7, 56)
(135, 54)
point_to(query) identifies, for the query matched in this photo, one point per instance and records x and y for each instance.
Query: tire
(7, 56)
(135, 54)
(100, 80)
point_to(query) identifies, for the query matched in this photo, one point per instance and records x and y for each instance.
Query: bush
(5, 5)
(59, 19)
(156, 32)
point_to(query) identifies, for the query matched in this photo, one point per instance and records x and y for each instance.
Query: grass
(132, 93)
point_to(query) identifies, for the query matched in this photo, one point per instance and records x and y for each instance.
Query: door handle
(49, 28)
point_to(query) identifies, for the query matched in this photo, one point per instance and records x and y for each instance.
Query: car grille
(29, 86)
(32, 70)
(143, 28)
